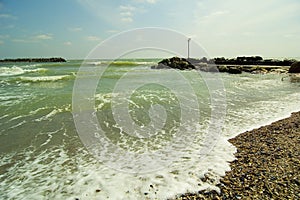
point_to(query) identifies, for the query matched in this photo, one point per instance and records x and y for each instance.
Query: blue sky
(72, 28)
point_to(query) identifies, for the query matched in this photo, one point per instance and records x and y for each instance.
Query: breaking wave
(35, 79)
(15, 70)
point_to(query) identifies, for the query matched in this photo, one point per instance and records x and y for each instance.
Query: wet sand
(267, 164)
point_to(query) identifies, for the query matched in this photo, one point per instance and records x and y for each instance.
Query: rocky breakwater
(295, 72)
(255, 65)
(250, 64)
(34, 60)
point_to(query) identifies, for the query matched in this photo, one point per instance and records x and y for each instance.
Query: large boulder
(222, 68)
(175, 63)
(234, 70)
(295, 67)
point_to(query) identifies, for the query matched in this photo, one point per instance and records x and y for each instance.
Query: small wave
(119, 62)
(15, 70)
(131, 63)
(35, 70)
(30, 66)
(94, 63)
(34, 79)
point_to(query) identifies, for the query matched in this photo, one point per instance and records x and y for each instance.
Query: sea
(102, 129)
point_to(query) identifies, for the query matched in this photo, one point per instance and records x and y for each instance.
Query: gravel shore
(267, 164)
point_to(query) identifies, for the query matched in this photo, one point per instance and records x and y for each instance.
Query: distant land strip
(34, 60)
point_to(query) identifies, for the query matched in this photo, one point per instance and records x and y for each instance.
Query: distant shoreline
(54, 59)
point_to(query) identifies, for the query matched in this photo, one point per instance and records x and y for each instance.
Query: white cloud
(146, 1)
(114, 13)
(23, 40)
(127, 8)
(127, 19)
(75, 29)
(33, 39)
(7, 26)
(112, 31)
(43, 37)
(7, 16)
(93, 38)
(126, 13)
(4, 36)
(68, 43)
(213, 16)
(151, 1)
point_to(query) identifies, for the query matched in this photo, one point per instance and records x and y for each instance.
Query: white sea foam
(103, 98)
(260, 113)
(3, 116)
(15, 70)
(43, 78)
(11, 71)
(94, 63)
(10, 99)
(49, 116)
(52, 178)
(17, 125)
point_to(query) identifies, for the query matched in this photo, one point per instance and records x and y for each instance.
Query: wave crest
(15, 70)
(35, 79)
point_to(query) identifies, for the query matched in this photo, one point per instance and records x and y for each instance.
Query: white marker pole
(189, 39)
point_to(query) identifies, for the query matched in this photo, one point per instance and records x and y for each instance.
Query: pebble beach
(267, 164)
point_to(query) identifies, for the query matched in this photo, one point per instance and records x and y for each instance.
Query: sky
(73, 28)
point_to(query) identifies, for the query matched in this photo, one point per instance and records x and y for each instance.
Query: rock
(206, 67)
(175, 63)
(249, 58)
(222, 68)
(260, 71)
(230, 69)
(254, 65)
(200, 66)
(295, 78)
(295, 67)
(211, 69)
(234, 70)
(278, 71)
(250, 68)
(159, 66)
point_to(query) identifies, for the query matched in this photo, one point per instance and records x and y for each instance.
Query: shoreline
(267, 164)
